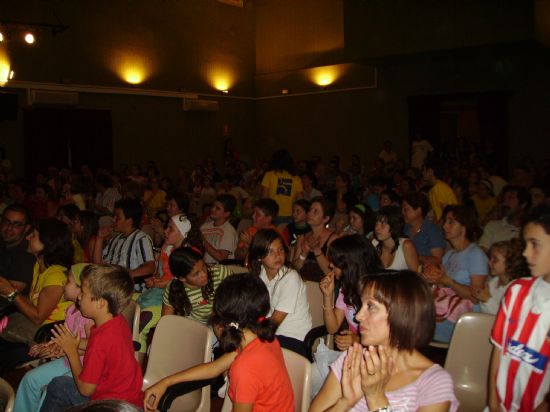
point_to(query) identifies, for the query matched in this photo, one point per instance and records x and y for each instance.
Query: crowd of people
(400, 254)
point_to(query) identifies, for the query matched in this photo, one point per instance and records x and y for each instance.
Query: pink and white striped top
(434, 385)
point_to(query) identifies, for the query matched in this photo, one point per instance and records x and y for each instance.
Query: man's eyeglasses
(14, 223)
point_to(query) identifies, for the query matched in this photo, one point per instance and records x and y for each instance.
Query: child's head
(110, 284)
(351, 258)
(223, 207)
(71, 290)
(268, 249)
(127, 214)
(265, 211)
(506, 260)
(242, 302)
(361, 218)
(299, 211)
(187, 265)
(177, 229)
(536, 234)
(388, 198)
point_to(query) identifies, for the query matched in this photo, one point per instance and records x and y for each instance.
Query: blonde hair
(110, 282)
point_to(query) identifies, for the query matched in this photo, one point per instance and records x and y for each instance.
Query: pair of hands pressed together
(62, 343)
(308, 244)
(365, 373)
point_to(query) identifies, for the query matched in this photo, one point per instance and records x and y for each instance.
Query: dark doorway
(460, 125)
(67, 137)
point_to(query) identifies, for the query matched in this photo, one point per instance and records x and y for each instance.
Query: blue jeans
(32, 387)
(61, 394)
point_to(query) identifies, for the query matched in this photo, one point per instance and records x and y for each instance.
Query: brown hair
(410, 305)
(467, 217)
(515, 263)
(110, 282)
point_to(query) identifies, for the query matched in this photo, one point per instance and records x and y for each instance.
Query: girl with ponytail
(191, 292)
(258, 379)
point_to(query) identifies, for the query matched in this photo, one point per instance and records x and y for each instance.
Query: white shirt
(223, 237)
(287, 293)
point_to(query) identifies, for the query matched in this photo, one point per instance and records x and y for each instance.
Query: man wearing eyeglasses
(16, 264)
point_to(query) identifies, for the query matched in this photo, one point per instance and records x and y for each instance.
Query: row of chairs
(180, 343)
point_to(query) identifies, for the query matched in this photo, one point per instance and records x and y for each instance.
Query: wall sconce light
(29, 38)
(324, 76)
(285, 91)
(1, 37)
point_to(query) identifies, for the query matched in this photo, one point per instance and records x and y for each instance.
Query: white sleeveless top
(399, 262)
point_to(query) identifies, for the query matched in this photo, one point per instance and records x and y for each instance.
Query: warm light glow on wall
(4, 68)
(132, 68)
(323, 76)
(133, 75)
(220, 78)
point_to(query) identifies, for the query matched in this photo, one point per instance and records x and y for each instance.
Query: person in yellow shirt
(441, 194)
(281, 185)
(51, 243)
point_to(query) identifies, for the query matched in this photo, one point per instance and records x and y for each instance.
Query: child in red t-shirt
(258, 379)
(109, 369)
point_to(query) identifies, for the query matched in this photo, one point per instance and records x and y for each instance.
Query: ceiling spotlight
(29, 38)
(1, 37)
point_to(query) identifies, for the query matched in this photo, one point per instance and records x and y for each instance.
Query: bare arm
(278, 317)
(328, 397)
(217, 254)
(167, 310)
(411, 257)
(145, 269)
(492, 397)
(47, 301)
(198, 372)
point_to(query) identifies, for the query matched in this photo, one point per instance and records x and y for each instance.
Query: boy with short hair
(109, 369)
(265, 212)
(130, 247)
(219, 236)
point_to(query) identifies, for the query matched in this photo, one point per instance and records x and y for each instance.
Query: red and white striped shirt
(521, 332)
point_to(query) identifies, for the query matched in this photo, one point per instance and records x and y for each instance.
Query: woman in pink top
(386, 372)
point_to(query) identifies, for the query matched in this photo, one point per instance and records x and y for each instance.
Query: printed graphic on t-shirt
(523, 353)
(284, 186)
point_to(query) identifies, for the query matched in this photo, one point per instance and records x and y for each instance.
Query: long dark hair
(356, 257)
(181, 262)
(259, 248)
(394, 218)
(57, 240)
(90, 225)
(242, 302)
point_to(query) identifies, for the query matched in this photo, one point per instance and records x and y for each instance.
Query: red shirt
(109, 363)
(258, 375)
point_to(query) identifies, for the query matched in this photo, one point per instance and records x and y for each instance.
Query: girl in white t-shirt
(506, 263)
(289, 306)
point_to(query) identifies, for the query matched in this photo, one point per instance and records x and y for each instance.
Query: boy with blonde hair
(109, 369)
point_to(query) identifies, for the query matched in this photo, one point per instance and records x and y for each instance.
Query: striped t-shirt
(201, 308)
(130, 251)
(434, 385)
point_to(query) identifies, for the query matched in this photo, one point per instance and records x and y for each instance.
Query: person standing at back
(280, 184)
